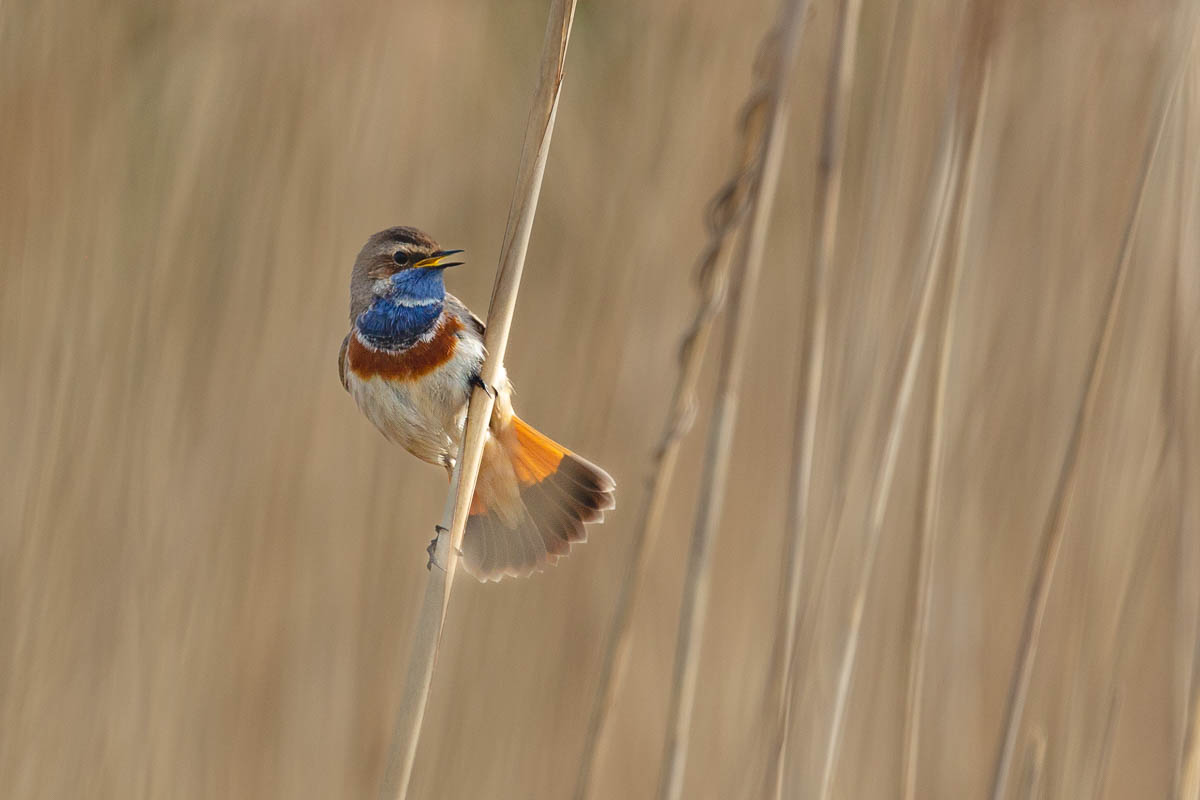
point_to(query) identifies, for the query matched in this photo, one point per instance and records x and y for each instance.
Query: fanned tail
(533, 500)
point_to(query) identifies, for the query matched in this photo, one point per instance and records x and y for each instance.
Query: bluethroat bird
(410, 361)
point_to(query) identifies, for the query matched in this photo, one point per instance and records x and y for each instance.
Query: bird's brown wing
(342, 362)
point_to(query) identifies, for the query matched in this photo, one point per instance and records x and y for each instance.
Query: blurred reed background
(210, 562)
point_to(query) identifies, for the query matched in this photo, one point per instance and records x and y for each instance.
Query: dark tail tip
(557, 510)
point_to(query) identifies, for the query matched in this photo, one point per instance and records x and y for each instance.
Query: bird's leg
(432, 549)
(476, 380)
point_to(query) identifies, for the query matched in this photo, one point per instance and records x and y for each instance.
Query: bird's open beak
(435, 260)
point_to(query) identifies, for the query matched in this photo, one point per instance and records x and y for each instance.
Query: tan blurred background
(210, 562)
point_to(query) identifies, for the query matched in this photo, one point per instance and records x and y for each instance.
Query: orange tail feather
(531, 503)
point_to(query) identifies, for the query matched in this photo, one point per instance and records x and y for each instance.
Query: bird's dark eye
(400, 257)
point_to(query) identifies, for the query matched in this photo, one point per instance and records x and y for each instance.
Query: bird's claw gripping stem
(432, 549)
(478, 381)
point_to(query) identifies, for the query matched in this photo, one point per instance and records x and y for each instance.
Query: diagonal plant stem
(716, 467)
(1036, 767)
(432, 617)
(935, 452)
(826, 208)
(1054, 530)
(938, 223)
(881, 152)
(1189, 782)
(980, 18)
(1099, 787)
(1132, 589)
(726, 211)
(1182, 416)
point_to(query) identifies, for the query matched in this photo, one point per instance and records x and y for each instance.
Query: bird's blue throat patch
(399, 319)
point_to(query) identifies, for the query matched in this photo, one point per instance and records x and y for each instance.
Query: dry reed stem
(1189, 783)
(1188, 768)
(1187, 778)
(1034, 775)
(1131, 595)
(1100, 781)
(895, 59)
(725, 213)
(942, 195)
(935, 455)
(716, 467)
(826, 207)
(1137, 574)
(427, 635)
(1054, 530)
(1174, 408)
(881, 163)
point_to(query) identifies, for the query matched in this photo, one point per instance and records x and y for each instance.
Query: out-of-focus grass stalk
(881, 148)
(935, 453)
(1100, 781)
(881, 160)
(1187, 777)
(1189, 781)
(1034, 774)
(694, 606)
(428, 633)
(1055, 527)
(725, 213)
(1131, 593)
(826, 207)
(937, 221)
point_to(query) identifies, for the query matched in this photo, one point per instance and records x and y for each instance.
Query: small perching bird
(410, 361)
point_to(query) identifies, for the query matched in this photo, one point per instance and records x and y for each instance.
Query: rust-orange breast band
(408, 364)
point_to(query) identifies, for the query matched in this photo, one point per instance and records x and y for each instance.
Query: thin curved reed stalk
(826, 208)
(881, 160)
(1100, 782)
(898, 45)
(979, 27)
(1138, 572)
(935, 456)
(1189, 782)
(694, 607)
(1035, 772)
(1131, 595)
(1054, 530)
(726, 212)
(1187, 777)
(428, 633)
(941, 206)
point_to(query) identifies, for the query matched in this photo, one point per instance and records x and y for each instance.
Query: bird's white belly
(425, 415)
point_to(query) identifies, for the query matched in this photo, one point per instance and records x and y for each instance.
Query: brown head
(386, 253)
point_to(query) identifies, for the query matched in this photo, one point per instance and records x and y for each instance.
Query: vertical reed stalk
(881, 160)
(725, 213)
(1100, 781)
(941, 206)
(1189, 782)
(716, 468)
(1035, 772)
(826, 208)
(427, 636)
(1123, 632)
(1054, 530)
(935, 455)
(1182, 415)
